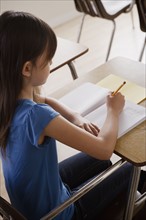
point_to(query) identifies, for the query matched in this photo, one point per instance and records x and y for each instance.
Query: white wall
(54, 12)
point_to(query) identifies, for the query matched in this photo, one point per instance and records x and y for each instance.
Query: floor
(96, 33)
(119, 206)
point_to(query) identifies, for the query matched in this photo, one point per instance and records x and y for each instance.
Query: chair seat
(106, 9)
(115, 7)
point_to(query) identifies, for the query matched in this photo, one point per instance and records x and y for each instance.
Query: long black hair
(23, 37)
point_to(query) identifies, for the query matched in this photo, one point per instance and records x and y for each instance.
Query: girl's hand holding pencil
(116, 100)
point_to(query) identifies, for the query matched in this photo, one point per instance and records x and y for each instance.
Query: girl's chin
(40, 84)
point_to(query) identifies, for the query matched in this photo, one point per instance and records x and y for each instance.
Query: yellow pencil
(115, 92)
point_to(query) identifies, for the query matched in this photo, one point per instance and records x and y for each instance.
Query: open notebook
(130, 117)
(89, 100)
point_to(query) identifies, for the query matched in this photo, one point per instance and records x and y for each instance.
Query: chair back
(88, 7)
(141, 7)
(8, 212)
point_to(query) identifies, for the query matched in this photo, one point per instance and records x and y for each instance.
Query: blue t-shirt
(31, 171)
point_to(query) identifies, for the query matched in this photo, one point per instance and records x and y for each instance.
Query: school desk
(67, 51)
(132, 146)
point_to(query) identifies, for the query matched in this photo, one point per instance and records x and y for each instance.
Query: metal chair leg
(132, 193)
(132, 19)
(81, 27)
(142, 51)
(111, 40)
(139, 203)
(130, 9)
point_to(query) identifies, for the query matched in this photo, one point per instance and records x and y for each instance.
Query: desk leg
(73, 70)
(132, 193)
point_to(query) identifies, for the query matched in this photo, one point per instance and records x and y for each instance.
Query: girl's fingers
(92, 129)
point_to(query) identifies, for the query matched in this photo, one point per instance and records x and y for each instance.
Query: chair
(104, 9)
(8, 212)
(141, 8)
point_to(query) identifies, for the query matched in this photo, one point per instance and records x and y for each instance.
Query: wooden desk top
(132, 146)
(66, 52)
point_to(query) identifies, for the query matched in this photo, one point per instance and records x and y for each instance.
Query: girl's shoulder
(29, 110)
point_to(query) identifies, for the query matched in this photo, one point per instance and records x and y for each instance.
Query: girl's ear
(27, 69)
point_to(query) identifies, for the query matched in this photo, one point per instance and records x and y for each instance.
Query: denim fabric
(77, 170)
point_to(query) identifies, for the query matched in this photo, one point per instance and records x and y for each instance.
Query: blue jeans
(77, 170)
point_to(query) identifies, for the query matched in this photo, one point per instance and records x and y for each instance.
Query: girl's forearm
(109, 131)
(65, 111)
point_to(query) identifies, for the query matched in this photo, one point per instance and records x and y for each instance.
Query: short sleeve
(37, 119)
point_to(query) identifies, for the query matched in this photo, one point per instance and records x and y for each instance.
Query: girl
(28, 129)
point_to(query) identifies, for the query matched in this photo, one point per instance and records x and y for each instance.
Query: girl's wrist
(113, 111)
(74, 116)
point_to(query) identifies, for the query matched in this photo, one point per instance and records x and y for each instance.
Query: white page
(85, 98)
(130, 117)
